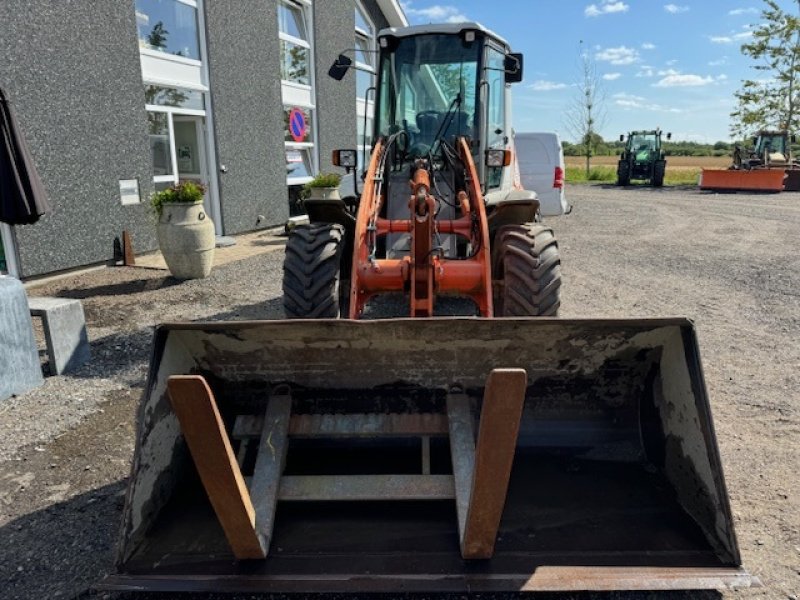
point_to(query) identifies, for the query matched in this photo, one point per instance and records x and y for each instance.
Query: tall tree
(586, 112)
(771, 101)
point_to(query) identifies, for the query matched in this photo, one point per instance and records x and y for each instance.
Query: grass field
(681, 170)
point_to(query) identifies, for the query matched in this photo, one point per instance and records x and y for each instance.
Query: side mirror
(498, 158)
(622, 138)
(513, 67)
(339, 68)
(344, 158)
(669, 136)
(755, 141)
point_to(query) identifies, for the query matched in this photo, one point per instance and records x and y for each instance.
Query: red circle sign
(297, 125)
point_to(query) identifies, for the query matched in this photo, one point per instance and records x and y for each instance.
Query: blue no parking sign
(297, 125)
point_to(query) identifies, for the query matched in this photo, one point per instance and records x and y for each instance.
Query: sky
(670, 65)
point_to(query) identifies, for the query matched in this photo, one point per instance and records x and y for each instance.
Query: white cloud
(718, 63)
(672, 62)
(646, 71)
(436, 13)
(612, 76)
(630, 101)
(730, 39)
(683, 80)
(547, 86)
(743, 11)
(605, 7)
(648, 46)
(674, 9)
(621, 55)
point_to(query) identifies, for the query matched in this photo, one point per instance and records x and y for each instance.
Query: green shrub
(190, 192)
(323, 180)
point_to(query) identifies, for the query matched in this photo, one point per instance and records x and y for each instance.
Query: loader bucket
(426, 455)
(755, 180)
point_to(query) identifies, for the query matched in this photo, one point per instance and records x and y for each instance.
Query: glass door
(190, 150)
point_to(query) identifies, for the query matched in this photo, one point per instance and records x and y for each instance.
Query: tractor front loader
(447, 454)
(766, 167)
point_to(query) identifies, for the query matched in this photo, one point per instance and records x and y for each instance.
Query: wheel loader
(642, 158)
(507, 450)
(766, 167)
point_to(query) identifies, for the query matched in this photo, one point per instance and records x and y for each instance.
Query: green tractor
(643, 158)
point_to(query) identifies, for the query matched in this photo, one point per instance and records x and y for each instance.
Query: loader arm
(424, 272)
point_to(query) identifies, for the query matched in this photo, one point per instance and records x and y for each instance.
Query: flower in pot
(324, 186)
(185, 232)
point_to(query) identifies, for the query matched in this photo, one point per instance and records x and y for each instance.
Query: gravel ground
(729, 262)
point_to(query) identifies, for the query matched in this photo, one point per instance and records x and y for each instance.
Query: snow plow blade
(755, 180)
(426, 455)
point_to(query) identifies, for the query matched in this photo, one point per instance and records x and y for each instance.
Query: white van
(541, 169)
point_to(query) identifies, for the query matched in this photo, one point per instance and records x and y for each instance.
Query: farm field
(681, 170)
(673, 162)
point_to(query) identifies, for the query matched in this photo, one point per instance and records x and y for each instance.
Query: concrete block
(64, 331)
(20, 370)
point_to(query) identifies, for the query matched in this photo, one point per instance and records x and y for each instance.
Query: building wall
(71, 71)
(334, 27)
(244, 74)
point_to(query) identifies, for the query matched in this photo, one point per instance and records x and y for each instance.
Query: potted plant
(185, 232)
(324, 186)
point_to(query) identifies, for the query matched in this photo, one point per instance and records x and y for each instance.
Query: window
(168, 26)
(177, 97)
(365, 62)
(297, 89)
(295, 47)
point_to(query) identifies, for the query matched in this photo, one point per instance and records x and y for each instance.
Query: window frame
(294, 94)
(195, 62)
(365, 105)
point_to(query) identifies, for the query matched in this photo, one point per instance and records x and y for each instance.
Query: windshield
(773, 143)
(429, 84)
(642, 145)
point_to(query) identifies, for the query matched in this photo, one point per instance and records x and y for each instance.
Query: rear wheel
(623, 173)
(311, 272)
(526, 264)
(659, 169)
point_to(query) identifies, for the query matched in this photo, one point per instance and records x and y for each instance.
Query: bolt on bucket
(435, 455)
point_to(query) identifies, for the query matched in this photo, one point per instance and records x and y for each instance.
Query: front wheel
(659, 169)
(623, 173)
(312, 288)
(526, 268)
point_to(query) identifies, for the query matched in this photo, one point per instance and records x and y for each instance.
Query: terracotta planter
(186, 239)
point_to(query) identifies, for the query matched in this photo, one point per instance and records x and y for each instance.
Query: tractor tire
(526, 263)
(659, 169)
(311, 273)
(623, 173)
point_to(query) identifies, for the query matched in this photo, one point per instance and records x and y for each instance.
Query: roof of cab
(441, 28)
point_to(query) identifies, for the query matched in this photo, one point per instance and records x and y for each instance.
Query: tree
(586, 112)
(771, 101)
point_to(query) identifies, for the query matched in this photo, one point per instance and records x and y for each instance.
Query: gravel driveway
(730, 262)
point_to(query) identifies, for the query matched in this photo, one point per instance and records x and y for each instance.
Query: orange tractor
(442, 211)
(454, 454)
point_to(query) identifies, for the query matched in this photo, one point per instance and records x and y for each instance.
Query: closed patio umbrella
(22, 196)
